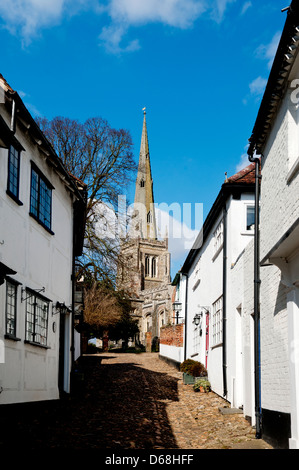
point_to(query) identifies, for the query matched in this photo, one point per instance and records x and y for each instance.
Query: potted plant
(202, 385)
(192, 369)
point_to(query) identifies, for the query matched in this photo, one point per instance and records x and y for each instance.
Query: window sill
(36, 344)
(196, 284)
(40, 223)
(217, 252)
(11, 337)
(14, 198)
(248, 232)
(218, 345)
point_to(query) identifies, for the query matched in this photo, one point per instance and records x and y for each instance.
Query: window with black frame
(13, 175)
(37, 310)
(11, 308)
(40, 198)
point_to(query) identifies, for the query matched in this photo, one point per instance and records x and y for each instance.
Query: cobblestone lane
(131, 401)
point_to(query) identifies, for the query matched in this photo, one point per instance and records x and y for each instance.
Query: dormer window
(142, 183)
(149, 217)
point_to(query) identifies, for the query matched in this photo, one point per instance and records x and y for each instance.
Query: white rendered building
(213, 294)
(41, 232)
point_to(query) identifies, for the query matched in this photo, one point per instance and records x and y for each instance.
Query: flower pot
(188, 379)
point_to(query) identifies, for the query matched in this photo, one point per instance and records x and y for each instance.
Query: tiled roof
(247, 175)
(6, 85)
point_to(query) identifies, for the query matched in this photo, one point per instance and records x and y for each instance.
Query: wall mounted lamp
(60, 307)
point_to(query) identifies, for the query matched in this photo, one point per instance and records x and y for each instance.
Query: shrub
(195, 368)
(186, 365)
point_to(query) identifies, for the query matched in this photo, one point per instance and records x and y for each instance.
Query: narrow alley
(130, 401)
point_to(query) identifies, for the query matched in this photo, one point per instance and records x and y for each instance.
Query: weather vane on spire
(143, 109)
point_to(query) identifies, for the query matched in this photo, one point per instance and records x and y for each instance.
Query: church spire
(145, 222)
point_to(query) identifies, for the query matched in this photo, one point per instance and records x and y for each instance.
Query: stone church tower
(146, 271)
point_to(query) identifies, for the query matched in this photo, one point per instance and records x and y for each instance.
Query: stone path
(131, 401)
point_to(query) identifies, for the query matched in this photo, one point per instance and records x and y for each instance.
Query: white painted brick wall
(274, 342)
(279, 210)
(279, 197)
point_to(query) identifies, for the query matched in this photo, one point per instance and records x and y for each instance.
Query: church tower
(146, 259)
(144, 219)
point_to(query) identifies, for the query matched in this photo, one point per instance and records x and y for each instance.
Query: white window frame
(249, 206)
(217, 317)
(218, 239)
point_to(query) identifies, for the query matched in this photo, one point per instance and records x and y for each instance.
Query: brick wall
(172, 335)
(279, 197)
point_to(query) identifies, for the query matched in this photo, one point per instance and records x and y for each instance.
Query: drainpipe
(186, 316)
(224, 281)
(257, 282)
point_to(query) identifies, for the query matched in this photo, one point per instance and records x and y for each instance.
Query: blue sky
(199, 67)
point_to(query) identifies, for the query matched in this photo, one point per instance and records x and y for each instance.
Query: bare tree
(102, 309)
(102, 158)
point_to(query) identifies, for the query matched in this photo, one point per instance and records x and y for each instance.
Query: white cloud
(257, 86)
(178, 13)
(219, 8)
(127, 13)
(27, 18)
(265, 52)
(245, 7)
(268, 51)
(31, 107)
(243, 163)
(112, 36)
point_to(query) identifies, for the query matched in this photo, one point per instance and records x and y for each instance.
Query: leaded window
(13, 176)
(37, 310)
(40, 198)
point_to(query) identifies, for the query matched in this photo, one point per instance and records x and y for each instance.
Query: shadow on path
(119, 405)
